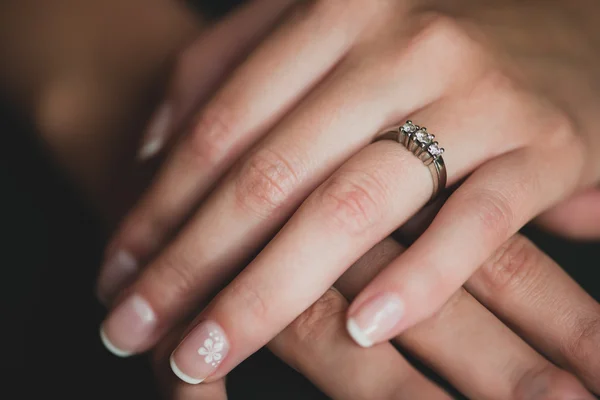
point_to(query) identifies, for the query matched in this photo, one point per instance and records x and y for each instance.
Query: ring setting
(422, 144)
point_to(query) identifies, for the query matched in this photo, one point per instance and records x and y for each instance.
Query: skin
(519, 284)
(265, 155)
(328, 361)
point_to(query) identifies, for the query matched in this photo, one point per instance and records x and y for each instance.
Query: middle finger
(336, 225)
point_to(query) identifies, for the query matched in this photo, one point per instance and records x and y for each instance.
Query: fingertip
(357, 334)
(376, 320)
(179, 373)
(150, 149)
(111, 347)
(157, 132)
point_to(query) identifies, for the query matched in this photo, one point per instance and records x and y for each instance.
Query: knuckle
(256, 308)
(325, 314)
(145, 229)
(584, 344)
(353, 203)
(560, 130)
(265, 181)
(497, 80)
(213, 134)
(548, 382)
(173, 280)
(494, 212)
(516, 264)
(449, 309)
(446, 36)
(561, 135)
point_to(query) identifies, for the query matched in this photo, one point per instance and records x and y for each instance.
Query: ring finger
(252, 201)
(341, 220)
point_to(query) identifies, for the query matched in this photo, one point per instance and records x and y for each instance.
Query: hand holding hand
(516, 117)
(466, 342)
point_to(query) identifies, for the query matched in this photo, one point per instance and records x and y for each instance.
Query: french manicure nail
(128, 326)
(156, 134)
(117, 271)
(375, 319)
(200, 353)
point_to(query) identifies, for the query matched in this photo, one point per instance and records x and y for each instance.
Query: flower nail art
(212, 349)
(200, 354)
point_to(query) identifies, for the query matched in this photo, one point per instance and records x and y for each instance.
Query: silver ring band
(421, 143)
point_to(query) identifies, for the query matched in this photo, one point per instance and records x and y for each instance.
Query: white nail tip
(357, 334)
(111, 347)
(181, 375)
(157, 131)
(149, 149)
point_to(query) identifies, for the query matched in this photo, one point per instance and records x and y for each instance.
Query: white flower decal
(211, 350)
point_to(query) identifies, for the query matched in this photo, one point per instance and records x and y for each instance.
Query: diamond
(435, 150)
(423, 137)
(409, 127)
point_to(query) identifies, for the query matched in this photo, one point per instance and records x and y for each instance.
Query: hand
(448, 65)
(465, 343)
(577, 217)
(374, 260)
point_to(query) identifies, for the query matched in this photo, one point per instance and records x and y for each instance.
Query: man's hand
(553, 330)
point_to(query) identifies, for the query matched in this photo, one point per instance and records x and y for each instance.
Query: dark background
(51, 246)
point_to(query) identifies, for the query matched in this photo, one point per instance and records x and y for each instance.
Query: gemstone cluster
(423, 138)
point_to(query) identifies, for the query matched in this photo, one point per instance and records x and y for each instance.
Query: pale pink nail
(128, 327)
(118, 271)
(157, 132)
(375, 319)
(200, 353)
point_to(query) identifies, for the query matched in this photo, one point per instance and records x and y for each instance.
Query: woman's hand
(464, 342)
(509, 89)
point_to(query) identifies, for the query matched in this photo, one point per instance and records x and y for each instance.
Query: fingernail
(200, 353)
(156, 134)
(128, 326)
(375, 319)
(116, 272)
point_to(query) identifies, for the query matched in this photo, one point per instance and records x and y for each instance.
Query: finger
(194, 79)
(469, 346)
(496, 201)
(205, 63)
(277, 186)
(249, 103)
(414, 227)
(353, 210)
(577, 217)
(255, 199)
(317, 345)
(174, 388)
(483, 358)
(340, 221)
(531, 293)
